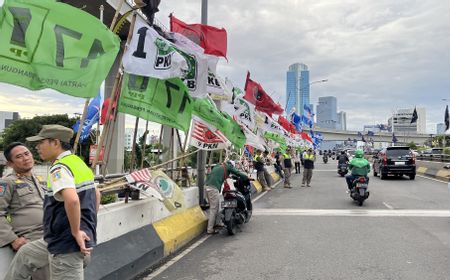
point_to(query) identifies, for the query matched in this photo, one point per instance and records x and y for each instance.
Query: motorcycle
(325, 158)
(342, 169)
(359, 191)
(237, 204)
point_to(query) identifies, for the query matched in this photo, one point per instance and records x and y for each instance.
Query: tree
(19, 130)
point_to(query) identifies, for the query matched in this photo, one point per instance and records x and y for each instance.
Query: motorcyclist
(342, 158)
(359, 166)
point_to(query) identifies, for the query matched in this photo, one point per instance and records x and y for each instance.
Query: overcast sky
(378, 56)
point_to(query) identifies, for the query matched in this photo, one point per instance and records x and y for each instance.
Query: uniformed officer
(286, 164)
(70, 211)
(21, 205)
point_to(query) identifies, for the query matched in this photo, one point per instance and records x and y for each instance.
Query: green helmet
(359, 153)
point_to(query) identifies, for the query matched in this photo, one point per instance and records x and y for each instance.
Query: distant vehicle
(350, 154)
(397, 160)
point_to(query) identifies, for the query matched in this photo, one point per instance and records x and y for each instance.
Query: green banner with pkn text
(163, 101)
(46, 44)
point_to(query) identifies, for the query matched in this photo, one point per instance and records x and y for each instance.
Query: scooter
(325, 158)
(359, 191)
(237, 204)
(342, 169)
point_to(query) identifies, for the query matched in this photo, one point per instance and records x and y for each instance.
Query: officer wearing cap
(70, 211)
(21, 206)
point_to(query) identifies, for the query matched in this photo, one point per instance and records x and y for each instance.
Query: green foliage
(447, 151)
(412, 146)
(108, 198)
(21, 129)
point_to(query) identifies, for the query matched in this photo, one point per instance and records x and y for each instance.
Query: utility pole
(201, 155)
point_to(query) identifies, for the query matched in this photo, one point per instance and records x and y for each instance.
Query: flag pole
(115, 88)
(80, 127)
(86, 104)
(145, 144)
(133, 149)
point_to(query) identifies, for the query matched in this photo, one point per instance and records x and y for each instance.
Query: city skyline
(376, 60)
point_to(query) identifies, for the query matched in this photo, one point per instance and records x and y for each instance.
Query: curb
(441, 174)
(127, 256)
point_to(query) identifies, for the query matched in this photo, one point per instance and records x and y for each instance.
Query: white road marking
(425, 177)
(259, 196)
(388, 206)
(176, 258)
(353, 212)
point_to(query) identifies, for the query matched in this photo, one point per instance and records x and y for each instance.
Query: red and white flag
(142, 175)
(206, 137)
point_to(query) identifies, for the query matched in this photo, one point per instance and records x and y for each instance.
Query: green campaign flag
(208, 112)
(46, 44)
(163, 101)
(234, 132)
(275, 137)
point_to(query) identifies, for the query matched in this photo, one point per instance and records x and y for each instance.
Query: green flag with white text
(46, 44)
(163, 101)
(234, 132)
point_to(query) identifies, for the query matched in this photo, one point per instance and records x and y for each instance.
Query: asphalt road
(401, 232)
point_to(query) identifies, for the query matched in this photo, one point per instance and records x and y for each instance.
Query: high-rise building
(401, 121)
(342, 120)
(440, 128)
(7, 118)
(129, 136)
(297, 87)
(326, 112)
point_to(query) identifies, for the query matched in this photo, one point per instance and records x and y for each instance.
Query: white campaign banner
(196, 77)
(205, 137)
(252, 139)
(151, 55)
(242, 111)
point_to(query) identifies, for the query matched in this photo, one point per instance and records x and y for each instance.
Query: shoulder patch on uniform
(3, 187)
(56, 174)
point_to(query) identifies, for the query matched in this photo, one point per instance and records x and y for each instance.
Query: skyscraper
(297, 88)
(327, 112)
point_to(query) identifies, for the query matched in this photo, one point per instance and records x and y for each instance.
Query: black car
(397, 160)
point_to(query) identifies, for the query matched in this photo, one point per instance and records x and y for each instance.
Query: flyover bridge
(343, 135)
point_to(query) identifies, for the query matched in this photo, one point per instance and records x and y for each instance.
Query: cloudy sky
(378, 56)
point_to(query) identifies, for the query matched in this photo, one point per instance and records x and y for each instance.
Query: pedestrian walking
(308, 165)
(296, 158)
(286, 164)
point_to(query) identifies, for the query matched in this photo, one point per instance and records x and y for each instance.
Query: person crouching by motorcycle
(214, 183)
(359, 166)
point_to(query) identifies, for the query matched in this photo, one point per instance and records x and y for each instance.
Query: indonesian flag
(206, 137)
(213, 40)
(306, 137)
(255, 94)
(286, 124)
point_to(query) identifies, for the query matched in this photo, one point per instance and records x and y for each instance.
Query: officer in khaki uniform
(71, 203)
(21, 205)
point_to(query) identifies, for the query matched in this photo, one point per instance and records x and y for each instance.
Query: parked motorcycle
(237, 204)
(342, 169)
(359, 191)
(325, 158)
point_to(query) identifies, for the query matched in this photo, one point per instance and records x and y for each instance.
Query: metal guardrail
(434, 157)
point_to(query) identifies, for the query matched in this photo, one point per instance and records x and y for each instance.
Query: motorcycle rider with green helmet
(359, 166)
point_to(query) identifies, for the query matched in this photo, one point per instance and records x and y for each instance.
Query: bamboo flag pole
(133, 149)
(145, 144)
(116, 83)
(80, 127)
(86, 104)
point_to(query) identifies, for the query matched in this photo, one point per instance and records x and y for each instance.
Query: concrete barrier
(433, 170)
(136, 236)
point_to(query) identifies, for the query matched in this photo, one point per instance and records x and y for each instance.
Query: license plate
(229, 203)
(399, 163)
(359, 185)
